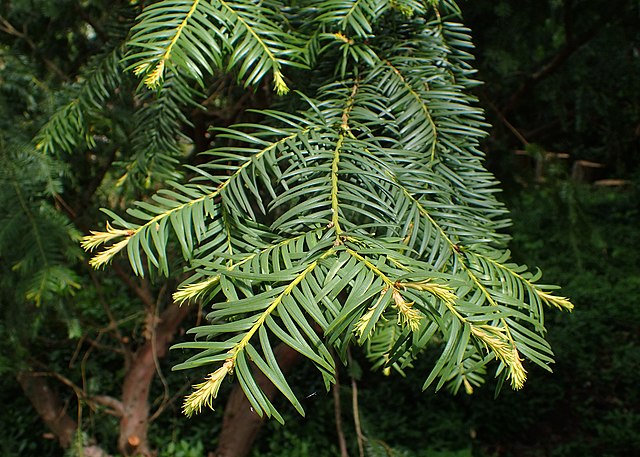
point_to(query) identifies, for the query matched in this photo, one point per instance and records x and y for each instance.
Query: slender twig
(504, 120)
(156, 361)
(337, 409)
(113, 324)
(114, 404)
(356, 414)
(6, 27)
(179, 394)
(142, 290)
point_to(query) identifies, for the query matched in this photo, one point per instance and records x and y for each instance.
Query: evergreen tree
(354, 211)
(312, 168)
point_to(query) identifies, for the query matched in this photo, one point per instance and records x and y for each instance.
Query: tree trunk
(47, 404)
(134, 424)
(241, 424)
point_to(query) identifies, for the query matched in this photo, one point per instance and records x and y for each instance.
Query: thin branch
(115, 405)
(113, 324)
(503, 119)
(6, 27)
(356, 414)
(96, 344)
(337, 409)
(154, 350)
(170, 401)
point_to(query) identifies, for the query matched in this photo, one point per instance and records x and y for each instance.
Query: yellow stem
(460, 257)
(221, 187)
(267, 312)
(335, 215)
(423, 105)
(373, 268)
(275, 64)
(344, 130)
(182, 25)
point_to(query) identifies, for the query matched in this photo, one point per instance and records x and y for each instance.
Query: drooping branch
(241, 424)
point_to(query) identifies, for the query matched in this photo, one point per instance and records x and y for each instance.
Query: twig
(154, 351)
(505, 121)
(116, 406)
(356, 416)
(142, 291)
(117, 409)
(113, 324)
(6, 27)
(337, 408)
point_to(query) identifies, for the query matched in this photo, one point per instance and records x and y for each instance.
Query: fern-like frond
(71, 126)
(352, 16)
(37, 243)
(199, 36)
(359, 214)
(267, 315)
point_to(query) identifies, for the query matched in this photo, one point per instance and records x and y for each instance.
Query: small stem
(335, 211)
(267, 312)
(461, 259)
(373, 268)
(344, 132)
(356, 414)
(422, 103)
(337, 410)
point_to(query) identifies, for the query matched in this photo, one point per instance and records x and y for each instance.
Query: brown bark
(48, 406)
(337, 411)
(134, 423)
(240, 425)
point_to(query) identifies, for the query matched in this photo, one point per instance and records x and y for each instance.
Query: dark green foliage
(565, 76)
(323, 227)
(589, 405)
(264, 213)
(598, 348)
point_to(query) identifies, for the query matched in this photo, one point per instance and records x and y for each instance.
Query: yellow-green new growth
(95, 239)
(407, 314)
(365, 319)
(193, 291)
(206, 391)
(559, 302)
(495, 339)
(90, 242)
(440, 291)
(279, 84)
(154, 78)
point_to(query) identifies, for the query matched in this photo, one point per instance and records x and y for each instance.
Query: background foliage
(586, 106)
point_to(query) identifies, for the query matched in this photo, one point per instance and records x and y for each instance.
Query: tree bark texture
(134, 423)
(48, 406)
(240, 425)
